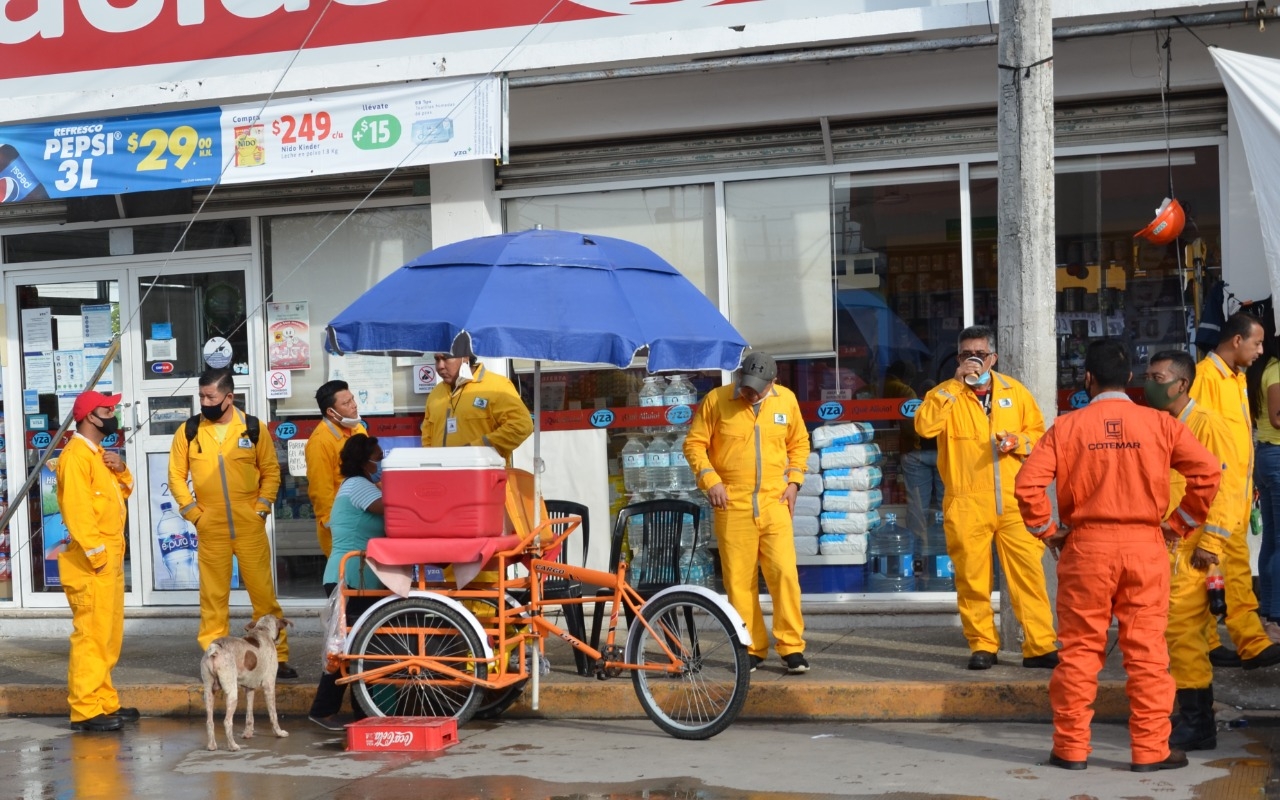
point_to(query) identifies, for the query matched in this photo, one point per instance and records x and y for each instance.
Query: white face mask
(346, 422)
(464, 375)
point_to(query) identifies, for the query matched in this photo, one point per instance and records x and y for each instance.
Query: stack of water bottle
(851, 495)
(656, 470)
(808, 509)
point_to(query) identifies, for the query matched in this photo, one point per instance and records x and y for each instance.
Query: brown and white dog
(232, 662)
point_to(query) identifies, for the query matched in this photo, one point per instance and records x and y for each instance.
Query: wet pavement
(40, 759)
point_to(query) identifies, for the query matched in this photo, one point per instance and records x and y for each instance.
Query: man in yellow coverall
(1170, 375)
(473, 407)
(235, 485)
(93, 485)
(340, 420)
(747, 445)
(1220, 390)
(986, 424)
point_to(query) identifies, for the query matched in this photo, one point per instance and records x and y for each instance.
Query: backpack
(253, 428)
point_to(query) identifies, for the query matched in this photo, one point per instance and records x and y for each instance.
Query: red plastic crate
(402, 734)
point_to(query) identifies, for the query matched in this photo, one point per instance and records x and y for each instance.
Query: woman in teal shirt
(355, 519)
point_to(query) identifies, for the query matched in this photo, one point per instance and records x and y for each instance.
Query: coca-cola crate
(401, 734)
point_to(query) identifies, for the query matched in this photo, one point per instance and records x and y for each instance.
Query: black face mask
(108, 426)
(212, 413)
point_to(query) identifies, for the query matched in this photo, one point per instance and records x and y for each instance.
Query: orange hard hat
(1169, 221)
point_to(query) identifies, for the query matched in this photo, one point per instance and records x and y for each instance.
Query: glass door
(191, 316)
(64, 328)
(174, 319)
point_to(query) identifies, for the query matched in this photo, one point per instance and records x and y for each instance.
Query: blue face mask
(984, 378)
(376, 477)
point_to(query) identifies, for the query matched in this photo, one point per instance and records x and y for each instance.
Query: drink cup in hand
(972, 377)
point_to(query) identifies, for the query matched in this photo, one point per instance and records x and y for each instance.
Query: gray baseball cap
(758, 371)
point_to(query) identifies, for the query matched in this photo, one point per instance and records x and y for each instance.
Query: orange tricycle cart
(442, 651)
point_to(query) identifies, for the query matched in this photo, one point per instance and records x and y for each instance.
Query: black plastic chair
(663, 525)
(563, 588)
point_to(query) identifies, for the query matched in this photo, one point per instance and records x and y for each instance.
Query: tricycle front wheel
(419, 627)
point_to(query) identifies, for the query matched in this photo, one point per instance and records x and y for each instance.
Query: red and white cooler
(443, 492)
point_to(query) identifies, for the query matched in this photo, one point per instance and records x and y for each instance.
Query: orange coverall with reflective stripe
(1221, 391)
(1111, 460)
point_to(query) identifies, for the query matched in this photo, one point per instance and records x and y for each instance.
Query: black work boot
(1195, 728)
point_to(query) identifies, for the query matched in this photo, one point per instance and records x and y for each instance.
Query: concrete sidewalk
(860, 673)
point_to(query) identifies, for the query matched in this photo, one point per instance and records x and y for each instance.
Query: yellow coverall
(234, 482)
(1219, 390)
(91, 499)
(324, 448)
(755, 455)
(979, 505)
(486, 411)
(1189, 616)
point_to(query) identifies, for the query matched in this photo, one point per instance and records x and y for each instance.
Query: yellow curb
(794, 700)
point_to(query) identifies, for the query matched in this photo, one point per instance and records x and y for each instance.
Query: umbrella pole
(535, 664)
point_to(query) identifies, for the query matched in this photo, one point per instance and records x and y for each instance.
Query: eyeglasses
(978, 354)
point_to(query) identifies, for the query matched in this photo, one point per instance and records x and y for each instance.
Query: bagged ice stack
(808, 507)
(851, 500)
(850, 455)
(844, 433)
(843, 544)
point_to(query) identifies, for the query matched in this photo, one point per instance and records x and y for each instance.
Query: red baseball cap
(88, 401)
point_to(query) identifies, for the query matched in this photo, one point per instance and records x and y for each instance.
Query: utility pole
(1027, 282)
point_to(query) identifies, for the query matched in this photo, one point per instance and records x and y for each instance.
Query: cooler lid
(443, 458)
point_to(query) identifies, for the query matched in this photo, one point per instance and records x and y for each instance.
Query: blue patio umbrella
(542, 295)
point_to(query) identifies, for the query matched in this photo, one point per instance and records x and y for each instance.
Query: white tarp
(1253, 89)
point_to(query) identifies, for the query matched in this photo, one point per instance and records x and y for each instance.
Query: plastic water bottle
(890, 557)
(696, 567)
(651, 397)
(633, 477)
(657, 465)
(682, 474)
(178, 548)
(937, 573)
(679, 392)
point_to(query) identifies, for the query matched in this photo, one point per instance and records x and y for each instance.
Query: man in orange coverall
(1220, 389)
(1111, 460)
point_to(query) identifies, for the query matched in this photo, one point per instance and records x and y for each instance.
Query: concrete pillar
(1027, 284)
(463, 206)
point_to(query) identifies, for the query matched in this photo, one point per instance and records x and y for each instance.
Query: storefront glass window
(779, 257)
(314, 284)
(676, 222)
(1109, 282)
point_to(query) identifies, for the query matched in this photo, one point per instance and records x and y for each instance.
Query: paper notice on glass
(68, 371)
(369, 378)
(66, 401)
(95, 323)
(162, 349)
(92, 360)
(37, 330)
(298, 458)
(289, 335)
(39, 372)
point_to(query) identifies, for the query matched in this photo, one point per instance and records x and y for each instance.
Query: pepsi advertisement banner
(55, 160)
(429, 122)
